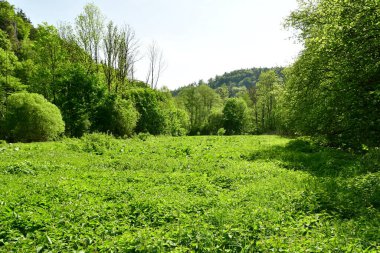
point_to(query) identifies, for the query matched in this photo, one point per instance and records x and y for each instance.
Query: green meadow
(187, 194)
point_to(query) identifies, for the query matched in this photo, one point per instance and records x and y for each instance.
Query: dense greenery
(333, 89)
(65, 65)
(116, 116)
(40, 120)
(204, 194)
(198, 101)
(241, 78)
(235, 116)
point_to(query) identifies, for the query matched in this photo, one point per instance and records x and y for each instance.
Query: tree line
(87, 70)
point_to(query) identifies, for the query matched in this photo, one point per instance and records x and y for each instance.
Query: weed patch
(187, 194)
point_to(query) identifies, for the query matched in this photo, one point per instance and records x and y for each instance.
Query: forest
(79, 78)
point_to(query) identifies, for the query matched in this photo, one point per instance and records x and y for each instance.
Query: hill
(235, 79)
(240, 78)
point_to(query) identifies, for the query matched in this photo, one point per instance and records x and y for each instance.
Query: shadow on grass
(343, 184)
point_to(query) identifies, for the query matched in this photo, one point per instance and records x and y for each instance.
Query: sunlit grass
(204, 193)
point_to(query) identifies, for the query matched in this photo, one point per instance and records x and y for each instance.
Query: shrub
(117, 116)
(30, 117)
(221, 131)
(371, 160)
(143, 136)
(98, 143)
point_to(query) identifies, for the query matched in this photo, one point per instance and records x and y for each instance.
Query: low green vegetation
(184, 194)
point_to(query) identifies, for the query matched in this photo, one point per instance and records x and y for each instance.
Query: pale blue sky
(200, 38)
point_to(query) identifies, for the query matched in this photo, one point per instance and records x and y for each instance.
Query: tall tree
(265, 97)
(75, 53)
(111, 52)
(127, 56)
(89, 27)
(156, 65)
(254, 97)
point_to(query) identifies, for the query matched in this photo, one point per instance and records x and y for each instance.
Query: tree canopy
(332, 90)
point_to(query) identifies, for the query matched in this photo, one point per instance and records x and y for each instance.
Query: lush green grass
(204, 194)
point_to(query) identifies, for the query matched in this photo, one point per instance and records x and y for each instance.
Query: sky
(199, 38)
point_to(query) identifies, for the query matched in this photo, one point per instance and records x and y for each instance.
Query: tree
(16, 25)
(223, 92)
(177, 120)
(69, 40)
(148, 104)
(156, 65)
(50, 58)
(80, 93)
(111, 52)
(30, 117)
(89, 28)
(198, 101)
(8, 65)
(332, 90)
(214, 121)
(127, 56)
(254, 97)
(265, 97)
(5, 44)
(234, 115)
(9, 83)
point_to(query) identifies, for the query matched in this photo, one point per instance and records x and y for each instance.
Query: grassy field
(187, 194)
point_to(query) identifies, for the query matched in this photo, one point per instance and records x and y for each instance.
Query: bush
(117, 116)
(30, 117)
(98, 143)
(371, 160)
(143, 136)
(221, 131)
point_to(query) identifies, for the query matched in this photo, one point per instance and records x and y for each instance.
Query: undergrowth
(187, 194)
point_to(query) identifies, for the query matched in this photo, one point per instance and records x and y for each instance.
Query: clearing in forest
(183, 194)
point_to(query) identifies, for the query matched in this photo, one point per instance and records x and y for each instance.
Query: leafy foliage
(234, 113)
(333, 88)
(198, 102)
(80, 93)
(30, 117)
(116, 116)
(186, 194)
(240, 78)
(147, 102)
